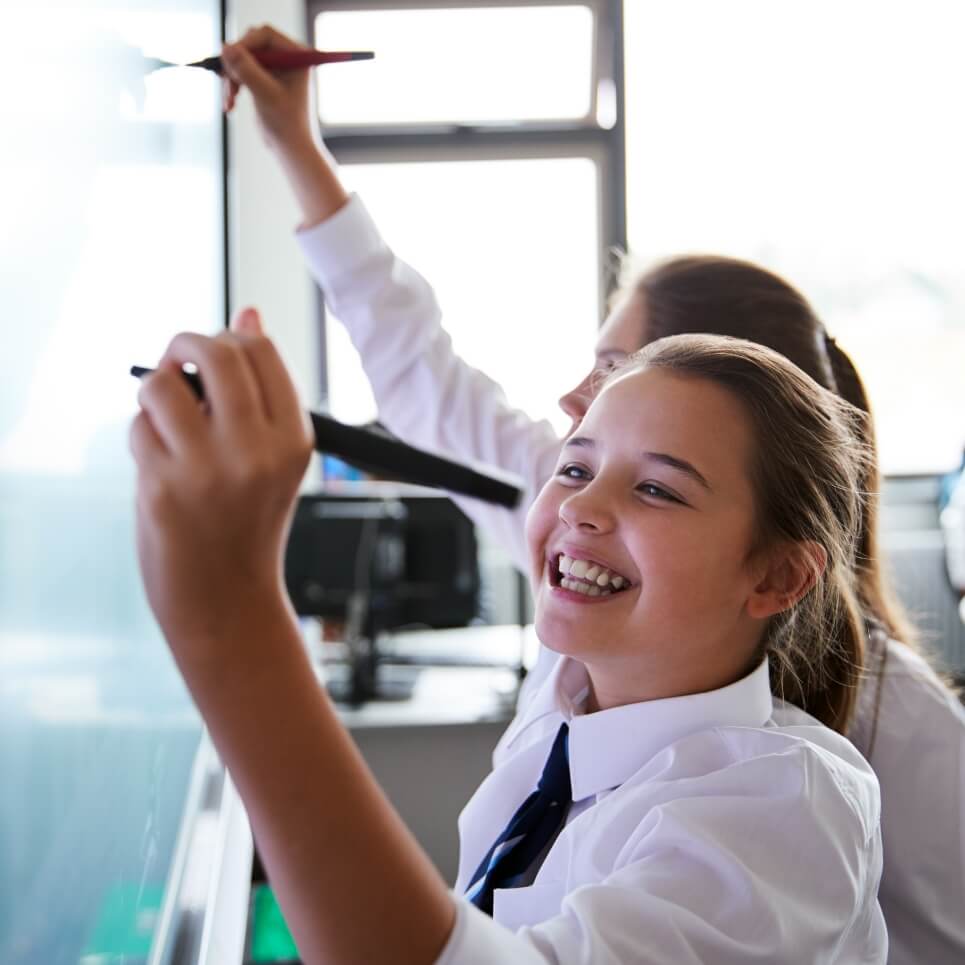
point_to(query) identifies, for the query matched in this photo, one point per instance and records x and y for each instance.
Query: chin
(563, 637)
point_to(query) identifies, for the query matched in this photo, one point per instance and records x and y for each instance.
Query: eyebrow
(672, 462)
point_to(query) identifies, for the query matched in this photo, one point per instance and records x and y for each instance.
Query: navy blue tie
(534, 826)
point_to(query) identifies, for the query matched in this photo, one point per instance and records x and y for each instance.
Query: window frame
(437, 142)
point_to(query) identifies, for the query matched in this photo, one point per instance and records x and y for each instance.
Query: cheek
(702, 560)
(541, 520)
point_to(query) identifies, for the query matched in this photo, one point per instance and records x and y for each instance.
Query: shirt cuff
(339, 244)
(477, 940)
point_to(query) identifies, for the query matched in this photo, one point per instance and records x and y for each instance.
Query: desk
(464, 676)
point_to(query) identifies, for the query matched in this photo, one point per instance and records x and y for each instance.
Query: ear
(791, 571)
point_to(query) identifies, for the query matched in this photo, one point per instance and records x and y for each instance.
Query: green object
(125, 925)
(271, 941)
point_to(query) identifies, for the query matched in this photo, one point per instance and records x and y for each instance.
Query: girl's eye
(657, 492)
(572, 471)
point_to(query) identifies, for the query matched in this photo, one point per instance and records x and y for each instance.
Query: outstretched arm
(426, 393)
(216, 485)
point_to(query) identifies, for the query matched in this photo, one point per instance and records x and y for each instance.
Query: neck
(614, 684)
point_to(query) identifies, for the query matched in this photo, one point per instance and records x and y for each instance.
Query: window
(465, 65)
(824, 141)
(516, 145)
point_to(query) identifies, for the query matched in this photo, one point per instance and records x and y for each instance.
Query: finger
(241, 67)
(247, 322)
(146, 445)
(172, 409)
(229, 93)
(282, 406)
(229, 384)
(267, 36)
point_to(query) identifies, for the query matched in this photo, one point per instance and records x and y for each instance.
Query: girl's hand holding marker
(216, 482)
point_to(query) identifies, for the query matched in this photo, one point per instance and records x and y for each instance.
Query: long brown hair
(728, 296)
(807, 473)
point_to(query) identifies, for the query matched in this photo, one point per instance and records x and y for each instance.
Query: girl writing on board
(909, 724)
(677, 789)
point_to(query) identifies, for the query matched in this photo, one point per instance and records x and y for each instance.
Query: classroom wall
(267, 268)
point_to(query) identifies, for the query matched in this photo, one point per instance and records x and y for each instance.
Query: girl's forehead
(652, 408)
(644, 391)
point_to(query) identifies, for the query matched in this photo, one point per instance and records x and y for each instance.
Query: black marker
(391, 459)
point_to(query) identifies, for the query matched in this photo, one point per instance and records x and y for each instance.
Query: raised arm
(426, 394)
(216, 486)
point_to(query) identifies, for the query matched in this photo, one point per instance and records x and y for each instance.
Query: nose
(589, 510)
(577, 401)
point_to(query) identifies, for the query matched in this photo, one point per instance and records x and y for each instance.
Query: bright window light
(511, 248)
(823, 140)
(466, 65)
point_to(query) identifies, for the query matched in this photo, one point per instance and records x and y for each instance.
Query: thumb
(247, 322)
(241, 66)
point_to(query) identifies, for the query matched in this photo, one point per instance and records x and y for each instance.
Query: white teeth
(579, 568)
(593, 573)
(577, 586)
(587, 589)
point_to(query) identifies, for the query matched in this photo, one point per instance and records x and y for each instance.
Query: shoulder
(905, 704)
(792, 773)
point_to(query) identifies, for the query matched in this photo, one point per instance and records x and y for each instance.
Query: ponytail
(817, 652)
(875, 594)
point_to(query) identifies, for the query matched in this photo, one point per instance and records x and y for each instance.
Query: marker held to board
(391, 459)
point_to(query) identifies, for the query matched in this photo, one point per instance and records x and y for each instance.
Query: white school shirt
(430, 397)
(919, 757)
(701, 831)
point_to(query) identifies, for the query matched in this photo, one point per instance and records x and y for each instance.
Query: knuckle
(224, 350)
(154, 388)
(183, 339)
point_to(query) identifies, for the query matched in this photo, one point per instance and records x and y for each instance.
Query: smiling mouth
(585, 577)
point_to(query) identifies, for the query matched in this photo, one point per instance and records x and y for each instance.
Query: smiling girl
(670, 793)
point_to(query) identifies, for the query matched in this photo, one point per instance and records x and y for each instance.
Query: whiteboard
(111, 241)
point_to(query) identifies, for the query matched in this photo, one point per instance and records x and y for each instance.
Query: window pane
(110, 242)
(466, 65)
(823, 140)
(511, 248)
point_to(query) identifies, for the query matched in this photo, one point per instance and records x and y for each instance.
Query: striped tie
(532, 828)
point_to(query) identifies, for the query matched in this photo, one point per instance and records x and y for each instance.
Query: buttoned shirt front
(701, 832)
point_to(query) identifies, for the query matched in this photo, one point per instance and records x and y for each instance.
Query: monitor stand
(361, 679)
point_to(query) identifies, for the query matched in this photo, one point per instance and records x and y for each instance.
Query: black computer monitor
(381, 558)
(412, 553)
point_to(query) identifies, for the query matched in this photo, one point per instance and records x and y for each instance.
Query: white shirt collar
(609, 746)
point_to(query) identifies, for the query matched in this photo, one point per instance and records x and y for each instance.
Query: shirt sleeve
(426, 394)
(728, 872)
